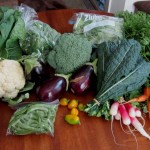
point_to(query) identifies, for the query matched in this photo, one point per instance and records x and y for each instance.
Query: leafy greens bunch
(137, 26)
(12, 29)
(120, 69)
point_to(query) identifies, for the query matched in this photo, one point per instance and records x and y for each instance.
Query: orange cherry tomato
(73, 104)
(63, 101)
(72, 119)
(74, 111)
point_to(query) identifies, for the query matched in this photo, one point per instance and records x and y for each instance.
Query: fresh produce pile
(106, 59)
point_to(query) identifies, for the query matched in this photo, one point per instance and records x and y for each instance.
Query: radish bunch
(128, 115)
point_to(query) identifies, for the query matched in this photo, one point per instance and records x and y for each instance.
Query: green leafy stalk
(124, 71)
(137, 26)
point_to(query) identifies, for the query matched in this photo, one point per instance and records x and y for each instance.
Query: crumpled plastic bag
(97, 28)
(33, 118)
(40, 36)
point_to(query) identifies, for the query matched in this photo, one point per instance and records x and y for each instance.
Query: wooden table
(8, 3)
(93, 133)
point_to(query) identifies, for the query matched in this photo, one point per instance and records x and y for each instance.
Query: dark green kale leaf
(124, 71)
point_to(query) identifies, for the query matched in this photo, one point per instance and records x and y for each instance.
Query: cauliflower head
(70, 52)
(12, 78)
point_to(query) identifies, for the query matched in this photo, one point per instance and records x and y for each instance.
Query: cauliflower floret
(12, 78)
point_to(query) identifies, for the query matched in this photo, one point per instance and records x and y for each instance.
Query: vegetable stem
(66, 77)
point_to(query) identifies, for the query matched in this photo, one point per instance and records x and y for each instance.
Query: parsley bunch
(137, 26)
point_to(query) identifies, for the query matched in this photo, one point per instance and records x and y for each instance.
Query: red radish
(130, 109)
(137, 125)
(124, 115)
(114, 112)
(114, 109)
(138, 113)
(118, 116)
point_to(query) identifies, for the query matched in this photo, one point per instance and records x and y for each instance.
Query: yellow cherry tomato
(73, 104)
(63, 101)
(74, 111)
(72, 119)
(81, 107)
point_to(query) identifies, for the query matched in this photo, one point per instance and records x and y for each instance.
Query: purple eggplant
(81, 79)
(52, 89)
(41, 73)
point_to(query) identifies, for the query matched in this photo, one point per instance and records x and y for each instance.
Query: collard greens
(121, 69)
(12, 29)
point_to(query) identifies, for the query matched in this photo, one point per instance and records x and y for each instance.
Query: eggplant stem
(77, 79)
(94, 65)
(66, 77)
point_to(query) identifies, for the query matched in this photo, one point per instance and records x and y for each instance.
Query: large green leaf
(121, 69)
(12, 28)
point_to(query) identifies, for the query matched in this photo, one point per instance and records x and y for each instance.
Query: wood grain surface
(93, 133)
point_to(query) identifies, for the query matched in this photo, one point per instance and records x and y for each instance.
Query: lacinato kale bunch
(70, 52)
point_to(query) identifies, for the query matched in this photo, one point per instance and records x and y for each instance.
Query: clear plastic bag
(97, 28)
(28, 14)
(33, 118)
(40, 37)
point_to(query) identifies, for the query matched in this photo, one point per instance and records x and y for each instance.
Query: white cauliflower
(12, 78)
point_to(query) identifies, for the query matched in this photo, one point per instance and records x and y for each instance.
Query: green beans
(33, 118)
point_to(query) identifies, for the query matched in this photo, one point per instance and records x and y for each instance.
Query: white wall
(129, 5)
(116, 5)
(122, 5)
